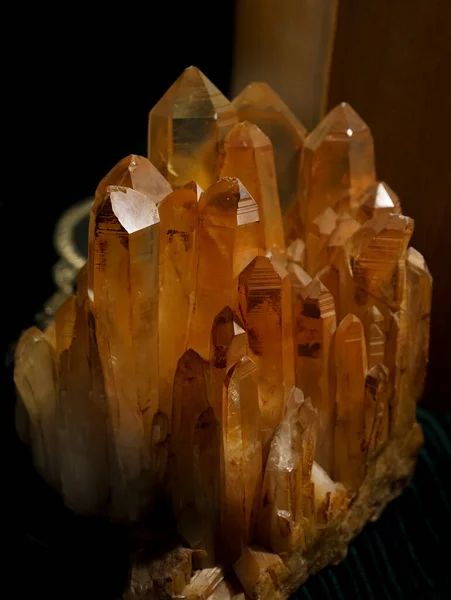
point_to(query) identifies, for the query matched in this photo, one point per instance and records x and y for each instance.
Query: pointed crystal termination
(315, 327)
(186, 128)
(137, 173)
(318, 235)
(36, 379)
(248, 155)
(258, 103)
(83, 443)
(287, 509)
(189, 441)
(266, 308)
(242, 456)
(64, 324)
(375, 200)
(374, 326)
(350, 432)
(337, 162)
(178, 269)
(377, 396)
(123, 263)
(228, 241)
(134, 172)
(376, 255)
(228, 345)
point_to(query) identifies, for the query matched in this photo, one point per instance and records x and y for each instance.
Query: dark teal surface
(407, 552)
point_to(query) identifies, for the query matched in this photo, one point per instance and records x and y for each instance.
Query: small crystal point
(338, 162)
(376, 199)
(258, 103)
(229, 344)
(186, 128)
(248, 154)
(137, 173)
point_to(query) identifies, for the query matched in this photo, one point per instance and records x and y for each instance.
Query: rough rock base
(387, 475)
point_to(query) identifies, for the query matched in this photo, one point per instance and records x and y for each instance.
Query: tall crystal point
(248, 155)
(258, 103)
(338, 161)
(124, 265)
(186, 128)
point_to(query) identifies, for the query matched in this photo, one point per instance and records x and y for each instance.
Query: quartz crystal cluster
(247, 343)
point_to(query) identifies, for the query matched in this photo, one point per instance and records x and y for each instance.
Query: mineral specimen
(246, 349)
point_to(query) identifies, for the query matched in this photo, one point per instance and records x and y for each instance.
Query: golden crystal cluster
(248, 333)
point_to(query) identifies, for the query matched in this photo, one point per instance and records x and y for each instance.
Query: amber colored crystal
(375, 200)
(287, 493)
(408, 343)
(259, 104)
(228, 241)
(318, 235)
(376, 254)
(266, 309)
(137, 173)
(186, 128)
(35, 376)
(337, 162)
(296, 252)
(314, 330)
(374, 326)
(229, 344)
(350, 432)
(82, 432)
(124, 263)
(242, 455)
(195, 456)
(346, 227)
(248, 155)
(178, 258)
(330, 498)
(418, 310)
(64, 324)
(377, 397)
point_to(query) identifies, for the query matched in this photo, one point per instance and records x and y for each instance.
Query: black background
(77, 86)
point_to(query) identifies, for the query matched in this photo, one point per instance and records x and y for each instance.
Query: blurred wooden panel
(392, 62)
(286, 43)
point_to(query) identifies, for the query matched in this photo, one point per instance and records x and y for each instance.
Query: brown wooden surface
(392, 62)
(288, 44)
